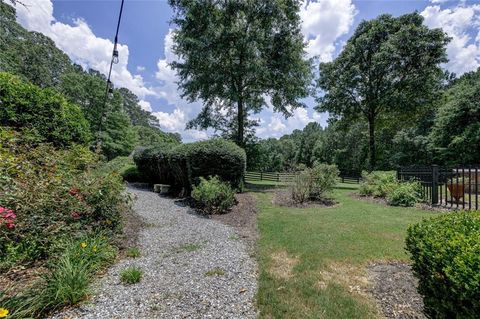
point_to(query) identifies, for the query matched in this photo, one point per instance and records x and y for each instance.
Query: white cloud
(323, 22)
(460, 23)
(277, 125)
(140, 68)
(81, 44)
(145, 105)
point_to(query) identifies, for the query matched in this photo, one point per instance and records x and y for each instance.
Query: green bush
(183, 165)
(43, 111)
(378, 183)
(153, 164)
(67, 280)
(213, 196)
(445, 251)
(314, 183)
(52, 198)
(405, 194)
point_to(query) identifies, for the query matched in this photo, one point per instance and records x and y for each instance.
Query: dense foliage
(119, 122)
(243, 51)
(183, 165)
(446, 260)
(456, 133)
(385, 185)
(42, 111)
(53, 193)
(389, 65)
(213, 196)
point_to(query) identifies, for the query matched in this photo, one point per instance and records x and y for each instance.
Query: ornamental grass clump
(131, 275)
(445, 251)
(67, 280)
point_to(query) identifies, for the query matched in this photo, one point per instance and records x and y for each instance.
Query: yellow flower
(83, 245)
(3, 312)
(94, 249)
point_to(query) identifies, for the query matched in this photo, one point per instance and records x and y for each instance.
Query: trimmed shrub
(405, 194)
(183, 165)
(153, 164)
(445, 251)
(213, 196)
(44, 111)
(216, 157)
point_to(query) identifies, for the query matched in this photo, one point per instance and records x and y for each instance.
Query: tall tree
(389, 65)
(455, 136)
(234, 53)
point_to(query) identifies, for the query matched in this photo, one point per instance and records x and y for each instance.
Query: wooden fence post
(261, 176)
(434, 184)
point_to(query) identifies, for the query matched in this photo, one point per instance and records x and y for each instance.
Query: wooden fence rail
(289, 177)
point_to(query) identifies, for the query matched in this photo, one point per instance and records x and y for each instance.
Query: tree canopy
(389, 65)
(237, 55)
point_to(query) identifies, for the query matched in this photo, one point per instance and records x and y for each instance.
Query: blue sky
(85, 29)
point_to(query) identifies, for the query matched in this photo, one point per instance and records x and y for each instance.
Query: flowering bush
(50, 197)
(7, 218)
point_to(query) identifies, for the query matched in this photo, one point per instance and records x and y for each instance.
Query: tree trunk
(240, 123)
(372, 146)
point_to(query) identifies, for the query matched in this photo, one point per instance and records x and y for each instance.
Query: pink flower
(74, 191)
(75, 215)
(10, 215)
(7, 217)
(10, 225)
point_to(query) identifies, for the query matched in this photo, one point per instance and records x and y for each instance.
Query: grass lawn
(312, 260)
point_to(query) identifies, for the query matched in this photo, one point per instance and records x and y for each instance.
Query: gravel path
(194, 267)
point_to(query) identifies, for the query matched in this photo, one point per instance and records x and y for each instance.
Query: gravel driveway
(194, 267)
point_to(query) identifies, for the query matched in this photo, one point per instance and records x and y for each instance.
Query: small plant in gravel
(190, 247)
(131, 275)
(215, 272)
(133, 252)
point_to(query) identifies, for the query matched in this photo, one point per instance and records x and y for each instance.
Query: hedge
(183, 165)
(446, 259)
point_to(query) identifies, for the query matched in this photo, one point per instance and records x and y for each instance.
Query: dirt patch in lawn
(243, 217)
(395, 290)
(282, 265)
(346, 275)
(283, 198)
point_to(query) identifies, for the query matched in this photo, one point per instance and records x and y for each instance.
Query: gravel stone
(178, 248)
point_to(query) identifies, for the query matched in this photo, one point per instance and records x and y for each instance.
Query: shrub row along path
(194, 267)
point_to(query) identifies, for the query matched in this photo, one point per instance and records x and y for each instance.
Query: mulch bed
(395, 290)
(243, 217)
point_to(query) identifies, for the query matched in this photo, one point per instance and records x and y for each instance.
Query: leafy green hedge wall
(183, 165)
(446, 259)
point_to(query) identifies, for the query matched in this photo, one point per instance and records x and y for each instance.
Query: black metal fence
(448, 186)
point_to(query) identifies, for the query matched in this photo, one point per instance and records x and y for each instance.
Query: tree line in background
(389, 100)
(118, 122)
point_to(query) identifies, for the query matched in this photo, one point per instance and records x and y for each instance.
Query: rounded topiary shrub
(446, 259)
(216, 157)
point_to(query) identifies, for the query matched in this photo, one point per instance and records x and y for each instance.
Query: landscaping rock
(180, 251)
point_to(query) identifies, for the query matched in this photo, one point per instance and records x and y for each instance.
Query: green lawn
(312, 260)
